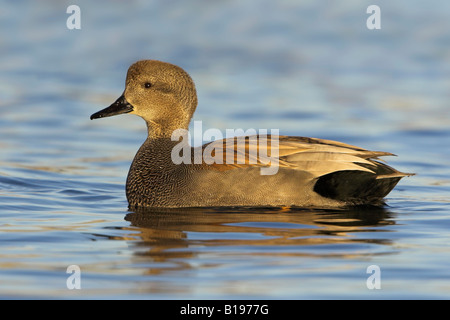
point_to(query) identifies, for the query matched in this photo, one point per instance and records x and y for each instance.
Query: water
(310, 69)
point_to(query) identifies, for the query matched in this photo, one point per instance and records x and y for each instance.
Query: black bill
(120, 106)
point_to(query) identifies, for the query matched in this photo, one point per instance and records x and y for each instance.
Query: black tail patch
(355, 187)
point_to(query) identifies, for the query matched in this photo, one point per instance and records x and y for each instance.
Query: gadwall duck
(307, 172)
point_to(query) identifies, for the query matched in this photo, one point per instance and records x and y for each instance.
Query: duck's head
(161, 93)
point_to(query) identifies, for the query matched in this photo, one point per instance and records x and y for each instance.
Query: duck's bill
(120, 106)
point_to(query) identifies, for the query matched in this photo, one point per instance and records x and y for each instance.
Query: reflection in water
(174, 235)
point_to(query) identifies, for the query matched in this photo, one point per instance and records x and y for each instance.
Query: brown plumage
(307, 172)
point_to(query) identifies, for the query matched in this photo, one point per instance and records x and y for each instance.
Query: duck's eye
(147, 85)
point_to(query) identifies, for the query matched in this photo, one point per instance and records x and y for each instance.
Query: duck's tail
(356, 187)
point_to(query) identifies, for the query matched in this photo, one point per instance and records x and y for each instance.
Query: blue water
(310, 69)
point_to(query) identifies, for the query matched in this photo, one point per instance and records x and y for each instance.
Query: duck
(307, 172)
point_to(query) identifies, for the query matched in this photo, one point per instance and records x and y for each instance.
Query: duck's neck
(164, 128)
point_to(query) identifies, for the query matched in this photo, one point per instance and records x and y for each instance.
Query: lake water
(310, 69)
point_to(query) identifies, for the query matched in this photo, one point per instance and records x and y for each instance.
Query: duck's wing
(338, 171)
(317, 156)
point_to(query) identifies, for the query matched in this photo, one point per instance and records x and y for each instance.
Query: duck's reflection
(171, 234)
